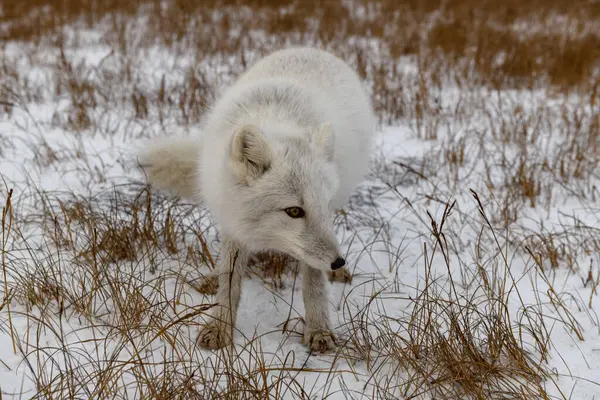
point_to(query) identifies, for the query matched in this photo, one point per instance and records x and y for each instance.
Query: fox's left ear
(323, 139)
(250, 153)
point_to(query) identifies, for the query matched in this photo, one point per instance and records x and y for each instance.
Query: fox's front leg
(317, 333)
(218, 332)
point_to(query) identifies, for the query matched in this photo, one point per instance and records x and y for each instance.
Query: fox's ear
(250, 153)
(323, 140)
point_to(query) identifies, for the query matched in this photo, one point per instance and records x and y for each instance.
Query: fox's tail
(171, 163)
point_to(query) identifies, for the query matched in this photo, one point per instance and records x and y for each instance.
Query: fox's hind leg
(218, 333)
(317, 334)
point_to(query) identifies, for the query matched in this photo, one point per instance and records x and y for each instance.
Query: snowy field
(474, 243)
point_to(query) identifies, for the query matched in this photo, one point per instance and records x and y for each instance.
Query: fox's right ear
(250, 153)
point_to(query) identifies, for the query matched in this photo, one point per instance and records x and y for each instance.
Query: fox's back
(307, 66)
(321, 71)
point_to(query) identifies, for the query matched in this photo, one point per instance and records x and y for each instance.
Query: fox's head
(281, 195)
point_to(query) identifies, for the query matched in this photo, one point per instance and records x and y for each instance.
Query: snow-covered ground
(85, 324)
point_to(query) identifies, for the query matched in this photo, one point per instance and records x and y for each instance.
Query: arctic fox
(280, 151)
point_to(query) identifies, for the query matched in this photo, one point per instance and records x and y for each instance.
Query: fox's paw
(320, 341)
(208, 285)
(340, 275)
(213, 336)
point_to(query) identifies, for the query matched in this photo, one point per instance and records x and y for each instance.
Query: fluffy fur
(295, 130)
(172, 164)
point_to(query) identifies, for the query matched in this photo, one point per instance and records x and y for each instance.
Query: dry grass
(98, 281)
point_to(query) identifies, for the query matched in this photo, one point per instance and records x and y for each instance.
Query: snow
(389, 259)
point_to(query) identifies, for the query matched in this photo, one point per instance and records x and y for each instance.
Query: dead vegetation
(506, 94)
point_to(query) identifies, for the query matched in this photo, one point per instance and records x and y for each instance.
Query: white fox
(280, 151)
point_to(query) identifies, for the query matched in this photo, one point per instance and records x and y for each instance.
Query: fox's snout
(320, 250)
(325, 248)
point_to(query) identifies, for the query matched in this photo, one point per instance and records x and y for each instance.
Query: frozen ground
(100, 277)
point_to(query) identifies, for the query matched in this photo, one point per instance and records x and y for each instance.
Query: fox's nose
(338, 263)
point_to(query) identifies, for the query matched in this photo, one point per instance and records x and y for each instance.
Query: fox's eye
(295, 212)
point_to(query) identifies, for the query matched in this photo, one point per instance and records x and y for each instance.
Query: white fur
(172, 164)
(295, 130)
